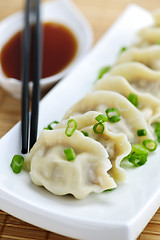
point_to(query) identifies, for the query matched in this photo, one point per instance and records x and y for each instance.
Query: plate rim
(127, 227)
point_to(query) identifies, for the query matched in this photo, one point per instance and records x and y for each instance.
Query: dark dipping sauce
(59, 48)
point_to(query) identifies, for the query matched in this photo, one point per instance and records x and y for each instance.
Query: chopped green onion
(50, 127)
(17, 163)
(84, 133)
(138, 159)
(113, 115)
(141, 132)
(158, 136)
(123, 49)
(71, 127)
(103, 70)
(70, 154)
(157, 130)
(98, 128)
(158, 42)
(101, 118)
(157, 126)
(133, 99)
(109, 190)
(138, 155)
(139, 149)
(150, 145)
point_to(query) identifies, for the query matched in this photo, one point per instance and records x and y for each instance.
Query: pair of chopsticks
(32, 11)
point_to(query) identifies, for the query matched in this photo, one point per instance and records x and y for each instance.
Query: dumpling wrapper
(148, 104)
(156, 16)
(149, 36)
(115, 144)
(87, 173)
(131, 118)
(149, 56)
(142, 78)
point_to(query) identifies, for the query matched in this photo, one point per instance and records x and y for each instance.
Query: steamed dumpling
(79, 177)
(131, 117)
(115, 144)
(148, 104)
(149, 36)
(156, 16)
(142, 78)
(149, 56)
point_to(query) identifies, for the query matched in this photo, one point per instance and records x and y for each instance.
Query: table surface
(101, 14)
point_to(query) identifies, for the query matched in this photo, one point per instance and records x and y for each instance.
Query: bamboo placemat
(101, 14)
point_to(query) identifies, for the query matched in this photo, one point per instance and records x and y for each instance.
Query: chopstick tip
(24, 151)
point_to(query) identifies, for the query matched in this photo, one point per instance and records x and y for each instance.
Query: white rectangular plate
(121, 214)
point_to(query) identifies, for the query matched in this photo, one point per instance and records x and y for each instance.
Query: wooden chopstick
(32, 8)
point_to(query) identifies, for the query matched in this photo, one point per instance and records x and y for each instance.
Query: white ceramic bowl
(62, 11)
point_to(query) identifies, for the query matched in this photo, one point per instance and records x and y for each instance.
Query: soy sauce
(59, 48)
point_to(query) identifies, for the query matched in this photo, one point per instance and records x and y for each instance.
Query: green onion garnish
(70, 154)
(101, 118)
(50, 127)
(133, 99)
(158, 42)
(158, 136)
(71, 127)
(113, 115)
(157, 130)
(98, 128)
(150, 145)
(139, 149)
(109, 190)
(138, 155)
(123, 49)
(138, 159)
(141, 132)
(84, 133)
(17, 163)
(103, 70)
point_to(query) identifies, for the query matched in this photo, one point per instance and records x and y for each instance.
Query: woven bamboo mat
(101, 14)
